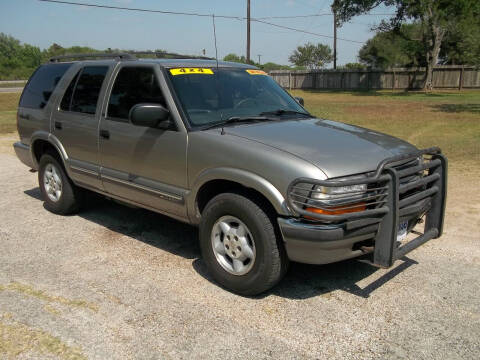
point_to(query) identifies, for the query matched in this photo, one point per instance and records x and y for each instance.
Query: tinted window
(85, 95)
(134, 85)
(67, 97)
(42, 84)
(219, 94)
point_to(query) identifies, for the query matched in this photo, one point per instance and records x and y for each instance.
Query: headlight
(336, 200)
(338, 192)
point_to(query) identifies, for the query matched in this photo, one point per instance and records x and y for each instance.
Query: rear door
(143, 164)
(37, 100)
(75, 123)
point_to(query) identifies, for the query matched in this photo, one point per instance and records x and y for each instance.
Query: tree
(235, 58)
(352, 66)
(17, 61)
(462, 42)
(312, 56)
(436, 19)
(388, 49)
(269, 66)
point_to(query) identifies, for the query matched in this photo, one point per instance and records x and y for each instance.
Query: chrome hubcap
(52, 182)
(233, 245)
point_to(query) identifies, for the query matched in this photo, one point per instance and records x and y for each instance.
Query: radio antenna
(215, 38)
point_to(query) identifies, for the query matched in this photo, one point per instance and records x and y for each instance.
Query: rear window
(42, 84)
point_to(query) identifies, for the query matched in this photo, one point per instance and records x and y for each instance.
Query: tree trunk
(432, 57)
(433, 34)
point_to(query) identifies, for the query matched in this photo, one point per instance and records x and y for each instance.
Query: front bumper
(373, 231)
(322, 244)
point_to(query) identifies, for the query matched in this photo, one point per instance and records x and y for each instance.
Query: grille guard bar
(386, 250)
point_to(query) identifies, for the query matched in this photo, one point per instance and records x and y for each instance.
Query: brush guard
(425, 194)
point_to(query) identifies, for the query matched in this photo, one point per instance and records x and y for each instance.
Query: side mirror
(150, 115)
(299, 100)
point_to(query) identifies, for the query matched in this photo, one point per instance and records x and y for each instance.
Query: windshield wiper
(238, 119)
(280, 112)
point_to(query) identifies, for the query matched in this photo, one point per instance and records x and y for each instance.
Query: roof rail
(167, 55)
(117, 56)
(127, 56)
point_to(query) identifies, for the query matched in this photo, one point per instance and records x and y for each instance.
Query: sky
(42, 24)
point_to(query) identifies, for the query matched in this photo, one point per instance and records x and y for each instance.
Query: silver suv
(223, 146)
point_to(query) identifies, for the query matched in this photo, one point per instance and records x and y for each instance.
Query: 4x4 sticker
(256, 72)
(186, 71)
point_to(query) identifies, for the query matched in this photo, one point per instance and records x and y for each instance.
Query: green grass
(448, 119)
(8, 112)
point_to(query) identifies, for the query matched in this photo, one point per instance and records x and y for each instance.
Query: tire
(68, 199)
(257, 273)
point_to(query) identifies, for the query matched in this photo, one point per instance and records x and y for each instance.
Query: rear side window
(87, 89)
(67, 97)
(133, 85)
(42, 84)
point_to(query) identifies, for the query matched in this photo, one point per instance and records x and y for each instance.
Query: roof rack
(167, 55)
(118, 56)
(127, 56)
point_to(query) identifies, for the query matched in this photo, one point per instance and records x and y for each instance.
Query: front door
(75, 123)
(142, 164)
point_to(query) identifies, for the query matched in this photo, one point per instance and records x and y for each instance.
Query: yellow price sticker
(187, 71)
(256, 72)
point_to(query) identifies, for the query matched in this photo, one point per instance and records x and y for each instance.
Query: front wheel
(240, 246)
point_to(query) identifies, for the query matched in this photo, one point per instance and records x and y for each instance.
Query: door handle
(24, 116)
(105, 134)
(58, 125)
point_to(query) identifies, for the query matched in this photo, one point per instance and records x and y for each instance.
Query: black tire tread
(277, 255)
(71, 195)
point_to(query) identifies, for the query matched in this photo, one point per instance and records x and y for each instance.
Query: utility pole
(259, 55)
(248, 31)
(334, 40)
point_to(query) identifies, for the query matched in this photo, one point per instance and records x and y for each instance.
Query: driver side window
(133, 85)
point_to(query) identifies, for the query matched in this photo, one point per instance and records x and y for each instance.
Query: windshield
(210, 95)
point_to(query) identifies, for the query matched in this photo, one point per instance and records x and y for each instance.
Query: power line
(304, 31)
(313, 15)
(166, 12)
(141, 10)
(292, 16)
(194, 14)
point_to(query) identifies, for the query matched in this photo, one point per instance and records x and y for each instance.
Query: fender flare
(53, 140)
(244, 178)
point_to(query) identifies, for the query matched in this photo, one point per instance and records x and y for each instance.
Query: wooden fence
(446, 76)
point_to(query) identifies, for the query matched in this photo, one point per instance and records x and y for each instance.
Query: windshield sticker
(187, 71)
(256, 72)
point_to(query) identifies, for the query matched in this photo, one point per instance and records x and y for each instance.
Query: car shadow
(304, 281)
(301, 282)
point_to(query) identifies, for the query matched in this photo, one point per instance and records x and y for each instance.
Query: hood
(336, 148)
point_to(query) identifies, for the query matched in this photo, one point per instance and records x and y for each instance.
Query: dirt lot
(114, 282)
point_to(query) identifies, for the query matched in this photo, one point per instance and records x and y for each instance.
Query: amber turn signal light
(337, 210)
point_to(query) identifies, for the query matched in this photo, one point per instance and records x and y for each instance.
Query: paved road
(11, 89)
(114, 282)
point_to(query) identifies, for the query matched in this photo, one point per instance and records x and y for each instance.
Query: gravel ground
(115, 282)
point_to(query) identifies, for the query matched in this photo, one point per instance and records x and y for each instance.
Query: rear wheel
(60, 194)
(240, 246)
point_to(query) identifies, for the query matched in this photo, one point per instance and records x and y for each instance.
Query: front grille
(416, 185)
